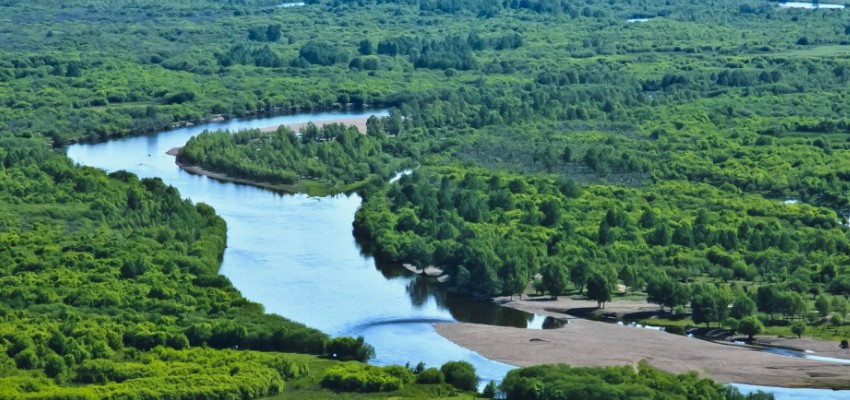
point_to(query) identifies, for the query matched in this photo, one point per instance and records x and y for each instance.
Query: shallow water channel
(296, 255)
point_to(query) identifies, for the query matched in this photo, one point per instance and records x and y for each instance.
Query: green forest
(694, 152)
(317, 160)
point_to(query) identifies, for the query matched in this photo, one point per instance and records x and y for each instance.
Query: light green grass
(309, 387)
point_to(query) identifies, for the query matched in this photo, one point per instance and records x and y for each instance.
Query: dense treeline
(493, 232)
(110, 288)
(556, 382)
(334, 154)
(154, 64)
(659, 107)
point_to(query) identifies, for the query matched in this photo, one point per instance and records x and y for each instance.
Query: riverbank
(311, 188)
(358, 122)
(806, 345)
(641, 311)
(583, 343)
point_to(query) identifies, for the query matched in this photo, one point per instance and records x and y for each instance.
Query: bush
(360, 378)
(350, 349)
(27, 359)
(460, 374)
(431, 376)
(55, 366)
(405, 375)
(558, 382)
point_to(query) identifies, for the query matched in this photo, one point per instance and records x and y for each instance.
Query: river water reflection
(295, 255)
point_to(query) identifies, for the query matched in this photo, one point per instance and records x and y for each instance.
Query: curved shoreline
(300, 187)
(589, 343)
(197, 170)
(359, 123)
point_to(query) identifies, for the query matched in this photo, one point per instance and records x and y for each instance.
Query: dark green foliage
(460, 374)
(710, 304)
(554, 278)
(750, 326)
(270, 33)
(348, 349)
(742, 306)
(334, 154)
(322, 53)
(599, 288)
(666, 292)
(798, 328)
(246, 55)
(430, 376)
(490, 390)
(561, 382)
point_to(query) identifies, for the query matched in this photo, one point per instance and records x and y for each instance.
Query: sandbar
(585, 343)
(359, 123)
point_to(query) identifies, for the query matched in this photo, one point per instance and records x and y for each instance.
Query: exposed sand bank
(817, 347)
(619, 309)
(359, 123)
(194, 169)
(590, 343)
(565, 305)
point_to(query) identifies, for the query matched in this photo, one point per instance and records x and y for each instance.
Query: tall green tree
(598, 288)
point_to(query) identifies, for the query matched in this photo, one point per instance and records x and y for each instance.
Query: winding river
(295, 255)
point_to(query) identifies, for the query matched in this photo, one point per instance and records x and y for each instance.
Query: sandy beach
(359, 123)
(583, 342)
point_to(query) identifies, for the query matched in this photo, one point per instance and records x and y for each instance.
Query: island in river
(310, 186)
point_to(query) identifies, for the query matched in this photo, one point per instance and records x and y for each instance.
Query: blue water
(295, 255)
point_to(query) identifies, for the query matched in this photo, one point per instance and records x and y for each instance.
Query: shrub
(349, 349)
(431, 376)
(460, 374)
(360, 378)
(405, 375)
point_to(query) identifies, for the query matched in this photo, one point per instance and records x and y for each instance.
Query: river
(296, 255)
